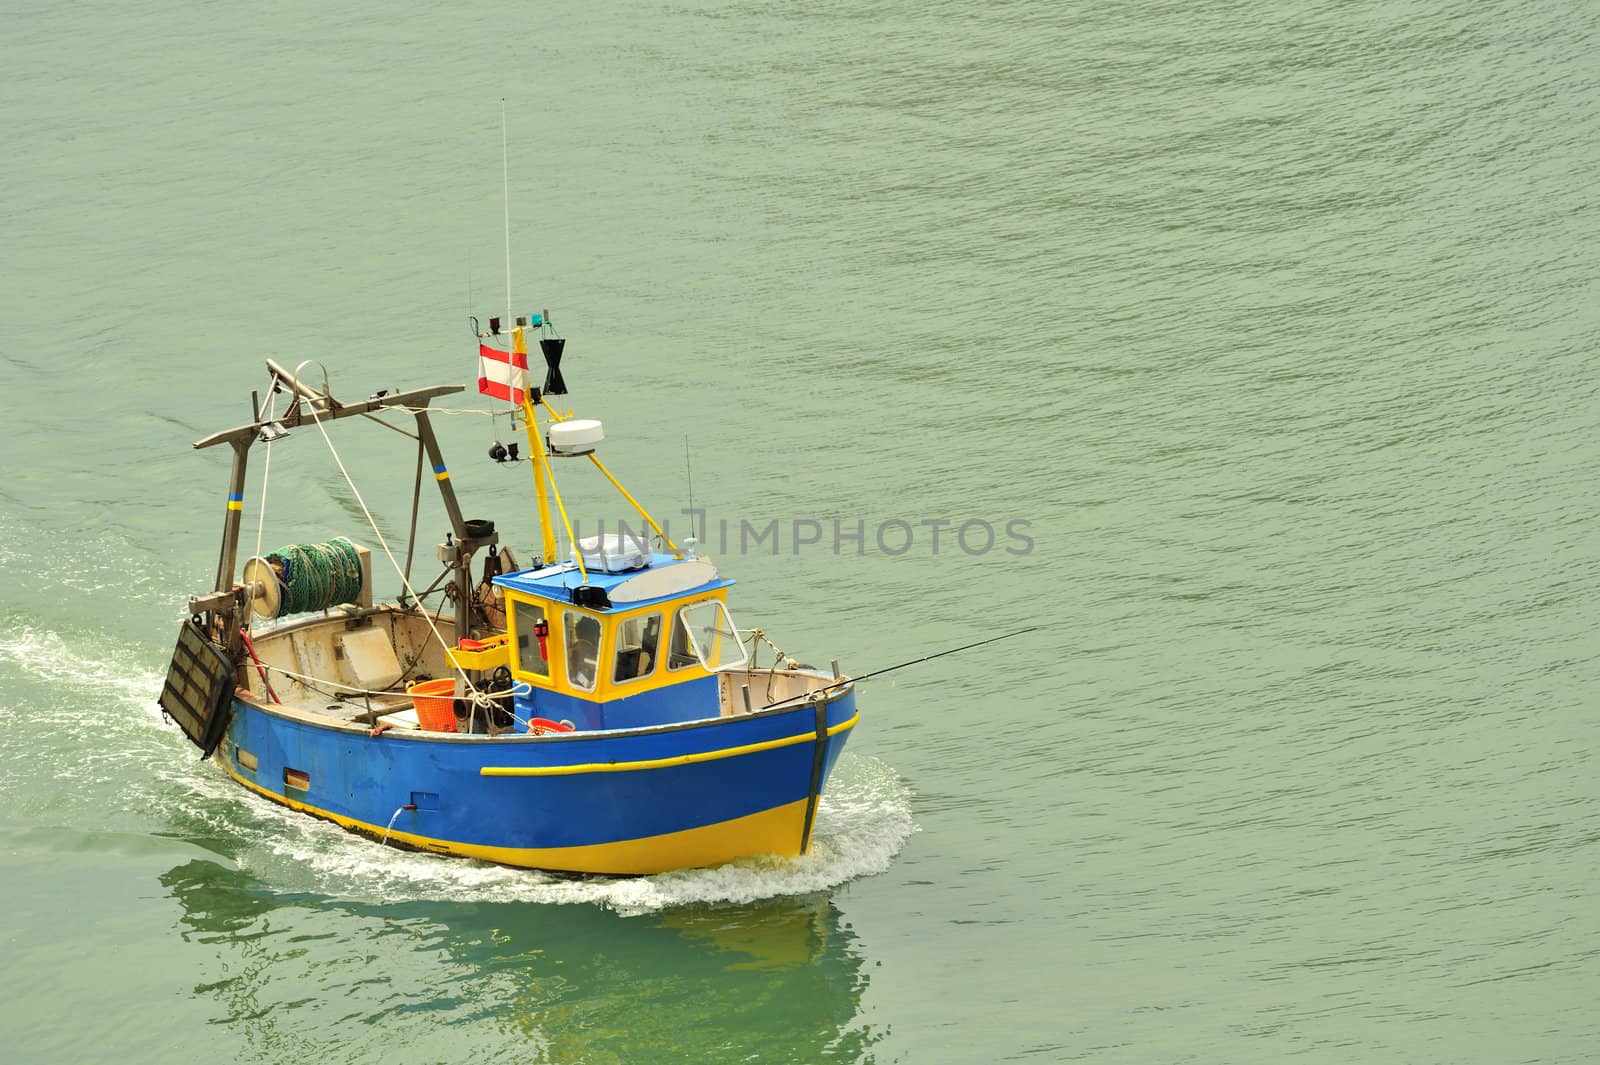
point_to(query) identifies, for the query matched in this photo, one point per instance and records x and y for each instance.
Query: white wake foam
(863, 821)
(106, 673)
(98, 564)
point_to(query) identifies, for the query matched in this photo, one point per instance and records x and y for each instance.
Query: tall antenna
(688, 473)
(505, 186)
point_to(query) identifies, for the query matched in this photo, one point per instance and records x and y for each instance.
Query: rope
(452, 410)
(484, 700)
(757, 638)
(325, 569)
(404, 581)
(313, 682)
(317, 576)
(248, 646)
(266, 470)
(416, 508)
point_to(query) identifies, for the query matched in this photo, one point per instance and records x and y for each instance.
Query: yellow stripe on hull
(776, 831)
(661, 763)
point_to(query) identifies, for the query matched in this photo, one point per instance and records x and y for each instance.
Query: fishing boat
(596, 712)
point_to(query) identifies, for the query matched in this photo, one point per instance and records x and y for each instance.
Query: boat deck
(353, 666)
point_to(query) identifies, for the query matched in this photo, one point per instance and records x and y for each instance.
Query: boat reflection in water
(779, 979)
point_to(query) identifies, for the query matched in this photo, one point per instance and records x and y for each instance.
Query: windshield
(711, 635)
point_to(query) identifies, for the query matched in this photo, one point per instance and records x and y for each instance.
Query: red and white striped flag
(502, 374)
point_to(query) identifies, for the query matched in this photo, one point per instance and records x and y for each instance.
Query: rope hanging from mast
(405, 582)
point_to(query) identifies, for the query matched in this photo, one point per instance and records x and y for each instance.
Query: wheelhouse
(624, 650)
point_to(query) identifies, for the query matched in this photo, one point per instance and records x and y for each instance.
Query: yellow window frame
(556, 662)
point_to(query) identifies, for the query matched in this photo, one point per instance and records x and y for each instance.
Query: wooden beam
(417, 397)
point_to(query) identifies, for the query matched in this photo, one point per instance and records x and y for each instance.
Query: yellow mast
(539, 459)
(642, 513)
(676, 552)
(536, 455)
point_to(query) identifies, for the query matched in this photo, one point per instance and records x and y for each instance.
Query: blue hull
(620, 802)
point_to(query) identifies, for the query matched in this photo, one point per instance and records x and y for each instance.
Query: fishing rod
(902, 665)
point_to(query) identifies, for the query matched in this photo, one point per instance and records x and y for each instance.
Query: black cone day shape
(553, 384)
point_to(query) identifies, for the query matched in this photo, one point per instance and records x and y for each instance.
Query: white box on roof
(614, 552)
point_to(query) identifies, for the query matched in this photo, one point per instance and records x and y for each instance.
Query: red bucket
(543, 726)
(435, 701)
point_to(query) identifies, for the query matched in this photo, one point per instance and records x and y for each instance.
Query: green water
(1275, 326)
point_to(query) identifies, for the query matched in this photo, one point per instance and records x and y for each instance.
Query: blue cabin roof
(557, 582)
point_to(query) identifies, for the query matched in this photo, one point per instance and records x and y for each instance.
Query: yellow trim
(622, 689)
(660, 676)
(606, 689)
(443, 476)
(617, 484)
(661, 763)
(536, 450)
(775, 831)
(553, 644)
(577, 614)
(540, 464)
(498, 654)
(634, 502)
(235, 504)
(539, 461)
(577, 554)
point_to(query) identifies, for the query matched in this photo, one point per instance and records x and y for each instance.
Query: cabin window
(637, 641)
(679, 654)
(583, 649)
(530, 652)
(710, 634)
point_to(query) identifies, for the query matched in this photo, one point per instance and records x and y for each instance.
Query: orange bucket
(435, 701)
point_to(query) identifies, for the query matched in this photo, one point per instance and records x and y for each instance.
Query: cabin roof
(556, 582)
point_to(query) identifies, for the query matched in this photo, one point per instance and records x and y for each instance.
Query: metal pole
(416, 506)
(537, 460)
(440, 474)
(463, 556)
(230, 525)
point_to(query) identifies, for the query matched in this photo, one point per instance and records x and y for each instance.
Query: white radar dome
(578, 436)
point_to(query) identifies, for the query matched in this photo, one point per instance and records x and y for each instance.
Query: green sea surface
(1263, 340)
